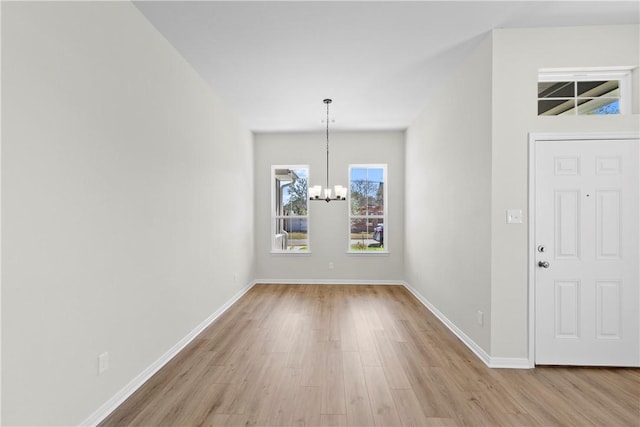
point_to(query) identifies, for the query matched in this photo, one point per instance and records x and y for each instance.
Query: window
(583, 92)
(367, 212)
(289, 207)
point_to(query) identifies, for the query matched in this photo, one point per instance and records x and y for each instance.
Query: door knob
(543, 264)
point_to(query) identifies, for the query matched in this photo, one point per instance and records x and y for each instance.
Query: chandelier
(317, 192)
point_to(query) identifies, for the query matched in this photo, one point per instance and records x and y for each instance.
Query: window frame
(274, 217)
(620, 74)
(384, 217)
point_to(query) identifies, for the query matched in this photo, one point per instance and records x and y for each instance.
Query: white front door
(586, 253)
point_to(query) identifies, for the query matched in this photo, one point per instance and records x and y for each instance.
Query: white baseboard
(511, 363)
(492, 362)
(109, 406)
(475, 348)
(326, 282)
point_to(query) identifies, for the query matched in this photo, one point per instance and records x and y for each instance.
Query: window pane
(291, 191)
(359, 191)
(367, 234)
(596, 89)
(289, 231)
(599, 97)
(376, 195)
(362, 191)
(367, 191)
(554, 107)
(291, 234)
(599, 106)
(583, 86)
(367, 210)
(556, 89)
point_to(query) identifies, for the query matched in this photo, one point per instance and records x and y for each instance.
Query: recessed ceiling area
(274, 62)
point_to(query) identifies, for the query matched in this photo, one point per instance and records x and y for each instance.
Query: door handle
(543, 264)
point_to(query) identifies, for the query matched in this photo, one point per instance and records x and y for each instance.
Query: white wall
(518, 54)
(127, 197)
(448, 198)
(467, 163)
(328, 222)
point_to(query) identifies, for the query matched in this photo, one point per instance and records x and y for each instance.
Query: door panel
(567, 222)
(609, 309)
(567, 309)
(608, 224)
(586, 286)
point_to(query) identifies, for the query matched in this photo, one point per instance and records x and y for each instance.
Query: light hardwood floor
(306, 355)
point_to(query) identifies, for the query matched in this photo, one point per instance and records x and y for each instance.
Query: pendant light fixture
(317, 192)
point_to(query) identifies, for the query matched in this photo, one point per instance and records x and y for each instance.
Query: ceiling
(273, 62)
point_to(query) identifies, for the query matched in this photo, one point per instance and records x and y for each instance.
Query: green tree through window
(289, 200)
(367, 210)
(297, 204)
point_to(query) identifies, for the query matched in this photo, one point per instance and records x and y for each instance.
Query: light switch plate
(514, 216)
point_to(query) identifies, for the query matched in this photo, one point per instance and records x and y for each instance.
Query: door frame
(536, 138)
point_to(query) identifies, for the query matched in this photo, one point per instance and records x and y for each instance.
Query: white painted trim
(326, 282)
(368, 254)
(112, 404)
(109, 406)
(622, 74)
(535, 137)
(491, 362)
(1, 382)
(294, 253)
(511, 363)
(475, 348)
(583, 73)
(531, 318)
(385, 217)
(579, 136)
(273, 209)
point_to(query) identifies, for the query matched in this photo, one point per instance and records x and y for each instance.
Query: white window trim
(385, 175)
(272, 216)
(621, 73)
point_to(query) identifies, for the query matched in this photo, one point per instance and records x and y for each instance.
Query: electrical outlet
(330, 266)
(480, 318)
(103, 362)
(235, 277)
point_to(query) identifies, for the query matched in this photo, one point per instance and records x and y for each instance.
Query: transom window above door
(584, 92)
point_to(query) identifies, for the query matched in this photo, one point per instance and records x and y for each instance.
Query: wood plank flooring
(307, 355)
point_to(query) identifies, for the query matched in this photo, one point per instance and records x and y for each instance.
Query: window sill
(295, 253)
(371, 253)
